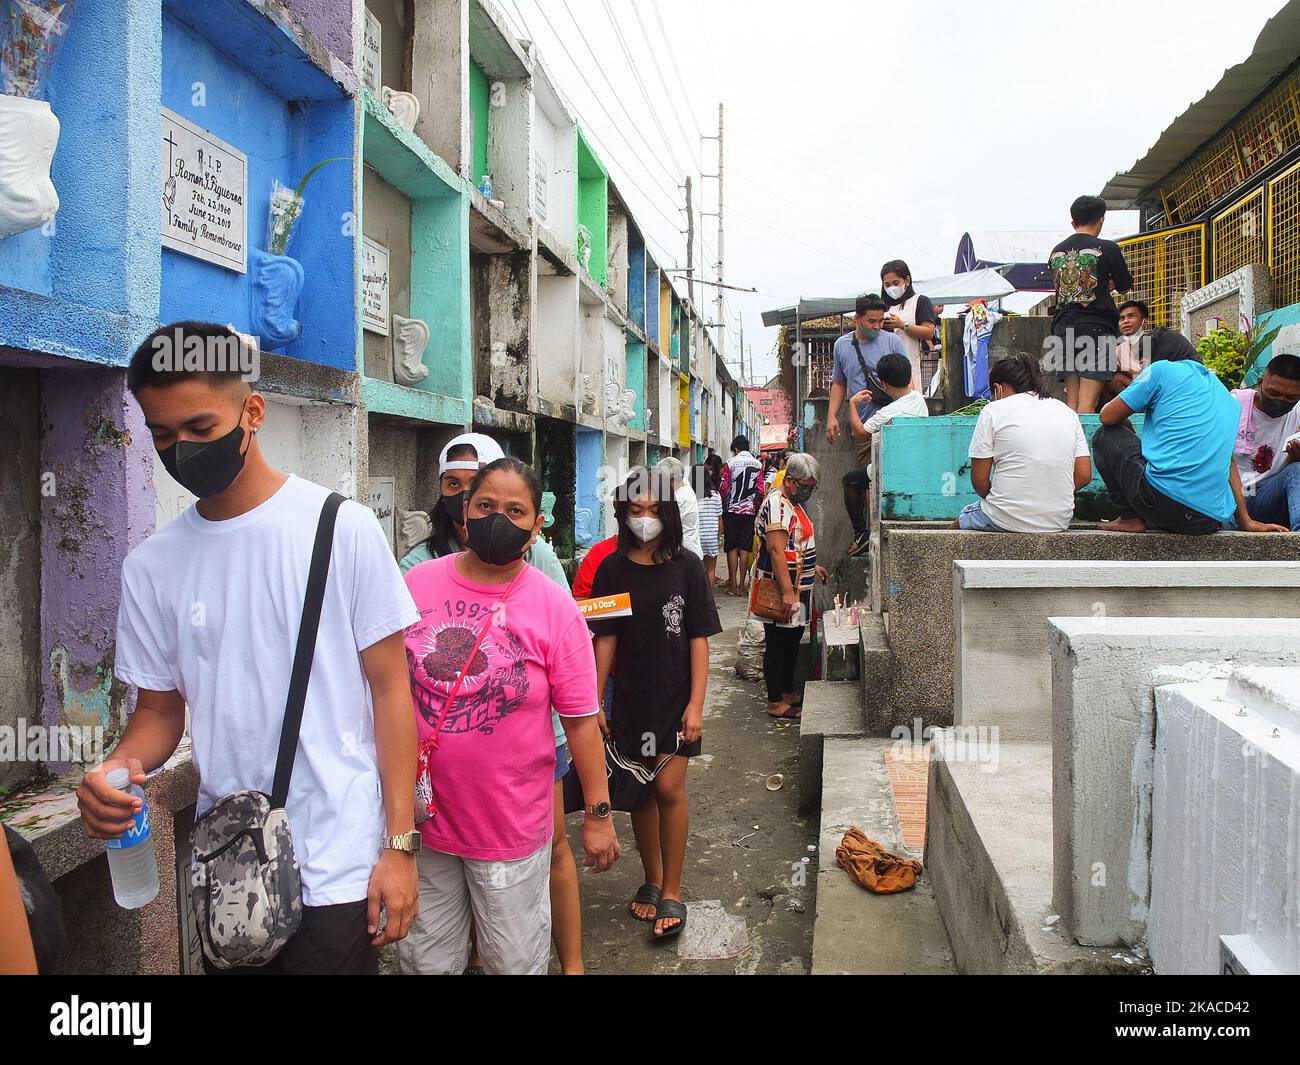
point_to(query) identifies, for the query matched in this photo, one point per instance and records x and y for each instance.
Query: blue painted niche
(234, 73)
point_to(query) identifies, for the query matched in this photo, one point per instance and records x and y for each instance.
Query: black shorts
(332, 941)
(1086, 349)
(738, 532)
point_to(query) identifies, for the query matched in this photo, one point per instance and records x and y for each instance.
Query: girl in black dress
(663, 667)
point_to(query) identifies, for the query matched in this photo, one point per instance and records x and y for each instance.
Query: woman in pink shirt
(497, 646)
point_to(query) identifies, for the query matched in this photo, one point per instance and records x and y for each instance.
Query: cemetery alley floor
(744, 843)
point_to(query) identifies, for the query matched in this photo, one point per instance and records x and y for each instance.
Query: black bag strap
(878, 394)
(306, 650)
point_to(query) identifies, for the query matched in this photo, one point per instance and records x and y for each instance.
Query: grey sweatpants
(511, 906)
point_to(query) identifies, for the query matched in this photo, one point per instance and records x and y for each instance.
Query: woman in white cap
(459, 461)
(458, 464)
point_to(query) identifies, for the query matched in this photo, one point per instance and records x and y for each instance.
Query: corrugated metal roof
(1276, 50)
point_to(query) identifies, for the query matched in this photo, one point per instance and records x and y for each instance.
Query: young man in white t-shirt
(895, 373)
(209, 617)
(1028, 455)
(1267, 452)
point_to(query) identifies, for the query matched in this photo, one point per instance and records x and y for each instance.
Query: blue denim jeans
(973, 519)
(1277, 499)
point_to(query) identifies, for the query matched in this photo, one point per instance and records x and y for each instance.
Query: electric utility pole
(722, 340)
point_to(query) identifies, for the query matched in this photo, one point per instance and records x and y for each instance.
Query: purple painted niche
(328, 20)
(100, 454)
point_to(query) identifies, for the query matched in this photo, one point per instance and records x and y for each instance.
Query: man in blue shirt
(1180, 476)
(856, 356)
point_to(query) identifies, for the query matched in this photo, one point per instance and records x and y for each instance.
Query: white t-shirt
(912, 405)
(1261, 441)
(1033, 444)
(690, 511)
(212, 608)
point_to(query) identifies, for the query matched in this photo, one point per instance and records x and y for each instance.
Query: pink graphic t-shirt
(493, 772)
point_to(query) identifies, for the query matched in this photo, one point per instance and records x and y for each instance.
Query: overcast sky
(858, 132)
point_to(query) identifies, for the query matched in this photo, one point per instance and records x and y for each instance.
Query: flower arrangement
(286, 208)
(36, 29)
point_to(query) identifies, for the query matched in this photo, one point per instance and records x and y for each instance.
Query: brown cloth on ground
(874, 867)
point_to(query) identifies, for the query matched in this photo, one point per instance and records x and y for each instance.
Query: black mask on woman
(455, 507)
(205, 469)
(496, 539)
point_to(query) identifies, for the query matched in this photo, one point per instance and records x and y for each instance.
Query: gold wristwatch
(409, 842)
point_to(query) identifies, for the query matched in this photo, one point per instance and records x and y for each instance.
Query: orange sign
(607, 606)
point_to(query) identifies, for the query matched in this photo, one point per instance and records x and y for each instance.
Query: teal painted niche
(593, 208)
(478, 106)
(926, 470)
(636, 378)
(440, 280)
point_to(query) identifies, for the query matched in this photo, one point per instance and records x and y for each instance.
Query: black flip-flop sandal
(646, 895)
(670, 908)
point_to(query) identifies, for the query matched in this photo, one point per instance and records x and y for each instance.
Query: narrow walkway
(745, 843)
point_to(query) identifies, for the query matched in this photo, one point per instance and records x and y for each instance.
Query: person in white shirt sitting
(1028, 455)
(1267, 452)
(895, 377)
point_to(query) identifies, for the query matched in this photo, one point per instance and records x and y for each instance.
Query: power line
(832, 195)
(798, 240)
(596, 96)
(636, 74)
(812, 214)
(672, 57)
(609, 155)
(615, 93)
(654, 59)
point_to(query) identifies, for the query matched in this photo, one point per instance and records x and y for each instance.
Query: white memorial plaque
(204, 195)
(382, 492)
(374, 286)
(372, 53)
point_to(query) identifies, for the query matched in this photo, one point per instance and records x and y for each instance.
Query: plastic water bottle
(485, 186)
(131, 861)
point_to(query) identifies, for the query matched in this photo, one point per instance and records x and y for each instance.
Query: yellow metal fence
(1166, 265)
(1284, 236)
(1239, 235)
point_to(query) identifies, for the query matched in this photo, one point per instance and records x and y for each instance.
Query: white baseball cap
(487, 450)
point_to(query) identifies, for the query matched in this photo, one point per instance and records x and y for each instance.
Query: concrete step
(854, 931)
(830, 709)
(874, 668)
(988, 851)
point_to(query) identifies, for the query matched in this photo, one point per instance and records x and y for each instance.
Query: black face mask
(497, 540)
(206, 468)
(455, 507)
(1274, 408)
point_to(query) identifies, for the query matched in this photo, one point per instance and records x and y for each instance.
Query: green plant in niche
(286, 208)
(1224, 351)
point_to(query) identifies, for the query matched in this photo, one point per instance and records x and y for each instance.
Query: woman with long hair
(909, 315)
(663, 671)
(1028, 455)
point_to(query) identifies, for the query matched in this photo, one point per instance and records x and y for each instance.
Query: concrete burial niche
(1001, 662)
(1224, 848)
(230, 85)
(912, 590)
(1104, 675)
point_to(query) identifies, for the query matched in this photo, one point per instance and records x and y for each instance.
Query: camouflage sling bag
(244, 880)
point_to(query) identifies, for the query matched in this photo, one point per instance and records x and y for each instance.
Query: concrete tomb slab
(1001, 661)
(1104, 674)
